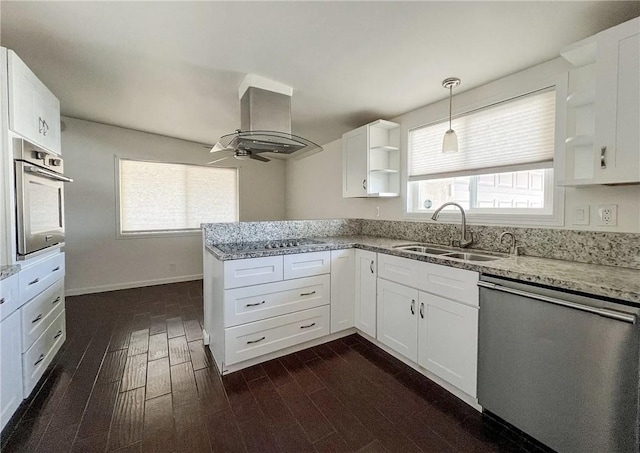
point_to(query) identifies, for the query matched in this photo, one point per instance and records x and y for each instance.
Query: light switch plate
(580, 214)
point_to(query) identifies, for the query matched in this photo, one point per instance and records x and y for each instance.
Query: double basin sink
(427, 249)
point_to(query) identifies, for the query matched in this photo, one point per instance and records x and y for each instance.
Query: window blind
(158, 196)
(514, 135)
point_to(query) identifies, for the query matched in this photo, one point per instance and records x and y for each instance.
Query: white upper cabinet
(602, 143)
(34, 112)
(371, 161)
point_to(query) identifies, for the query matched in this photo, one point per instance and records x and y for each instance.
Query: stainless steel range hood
(265, 121)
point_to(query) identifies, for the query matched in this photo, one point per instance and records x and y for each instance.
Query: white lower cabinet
(435, 324)
(448, 341)
(365, 291)
(10, 367)
(342, 289)
(397, 320)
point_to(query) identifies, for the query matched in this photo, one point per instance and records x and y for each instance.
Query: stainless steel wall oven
(39, 198)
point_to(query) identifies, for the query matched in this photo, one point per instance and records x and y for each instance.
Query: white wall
(96, 260)
(314, 184)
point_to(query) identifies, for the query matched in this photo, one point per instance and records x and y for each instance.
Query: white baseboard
(128, 285)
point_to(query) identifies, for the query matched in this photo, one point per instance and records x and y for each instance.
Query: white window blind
(158, 196)
(514, 135)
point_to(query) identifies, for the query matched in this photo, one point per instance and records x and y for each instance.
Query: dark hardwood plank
(178, 350)
(139, 343)
(374, 447)
(276, 411)
(310, 418)
(92, 444)
(57, 440)
(291, 438)
(349, 427)
(224, 433)
(183, 385)
(192, 330)
(97, 415)
(158, 346)
(112, 367)
(333, 443)
(158, 323)
(158, 378)
(133, 448)
(128, 419)
(200, 355)
(159, 432)
(191, 429)
(120, 338)
(175, 327)
(253, 372)
(308, 381)
(210, 390)
(135, 372)
(277, 372)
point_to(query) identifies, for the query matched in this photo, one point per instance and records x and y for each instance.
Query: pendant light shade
(450, 140)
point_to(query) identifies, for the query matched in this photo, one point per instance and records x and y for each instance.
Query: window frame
(185, 232)
(517, 88)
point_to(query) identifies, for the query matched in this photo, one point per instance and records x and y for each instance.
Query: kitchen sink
(471, 256)
(423, 249)
(426, 249)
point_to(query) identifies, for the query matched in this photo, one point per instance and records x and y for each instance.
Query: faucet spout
(464, 241)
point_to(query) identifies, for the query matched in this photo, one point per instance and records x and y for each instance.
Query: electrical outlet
(607, 214)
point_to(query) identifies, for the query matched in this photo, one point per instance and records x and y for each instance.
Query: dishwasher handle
(619, 316)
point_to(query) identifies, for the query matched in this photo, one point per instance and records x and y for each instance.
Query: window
(504, 167)
(159, 197)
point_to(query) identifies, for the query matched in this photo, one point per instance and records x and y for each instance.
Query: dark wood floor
(134, 376)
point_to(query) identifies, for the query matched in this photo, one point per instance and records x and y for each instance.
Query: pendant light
(450, 141)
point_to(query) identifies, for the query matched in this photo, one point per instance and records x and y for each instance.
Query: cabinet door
(448, 341)
(355, 146)
(365, 292)
(397, 318)
(10, 367)
(617, 139)
(342, 289)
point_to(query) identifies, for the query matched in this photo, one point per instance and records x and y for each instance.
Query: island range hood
(265, 124)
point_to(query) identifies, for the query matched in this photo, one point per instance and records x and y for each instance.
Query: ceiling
(173, 68)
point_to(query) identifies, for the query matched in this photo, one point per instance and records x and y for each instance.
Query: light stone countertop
(607, 281)
(7, 271)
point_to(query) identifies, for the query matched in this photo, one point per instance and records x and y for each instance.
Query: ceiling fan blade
(259, 157)
(219, 160)
(218, 148)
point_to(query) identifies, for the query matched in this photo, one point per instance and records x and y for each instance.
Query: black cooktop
(266, 245)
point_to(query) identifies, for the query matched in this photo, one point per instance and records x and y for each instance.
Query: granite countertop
(7, 271)
(608, 281)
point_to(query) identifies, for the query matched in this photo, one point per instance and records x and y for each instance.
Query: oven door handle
(46, 173)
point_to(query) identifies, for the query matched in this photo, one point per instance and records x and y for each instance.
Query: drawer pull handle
(307, 326)
(255, 341)
(256, 304)
(422, 310)
(34, 282)
(2, 301)
(308, 294)
(413, 306)
(40, 359)
(58, 334)
(371, 266)
(56, 300)
(38, 318)
(56, 269)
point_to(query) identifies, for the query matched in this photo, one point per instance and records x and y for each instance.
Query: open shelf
(384, 194)
(579, 140)
(384, 148)
(383, 170)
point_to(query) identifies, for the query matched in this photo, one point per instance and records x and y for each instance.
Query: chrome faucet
(463, 242)
(513, 249)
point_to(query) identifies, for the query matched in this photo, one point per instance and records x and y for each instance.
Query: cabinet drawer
(9, 296)
(455, 284)
(307, 264)
(38, 313)
(254, 303)
(252, 271)
(405, 271)
(34, 279)
(262, 337)
(36, 360)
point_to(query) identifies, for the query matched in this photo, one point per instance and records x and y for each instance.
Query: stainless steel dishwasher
(562, 367)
